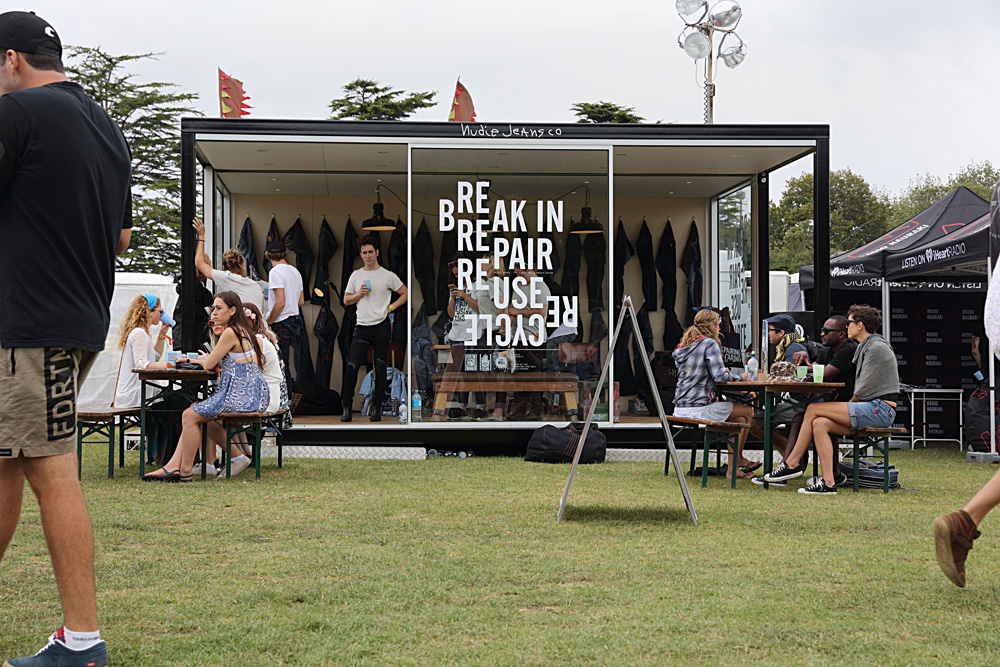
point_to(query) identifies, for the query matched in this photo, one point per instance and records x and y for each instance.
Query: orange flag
(232, 99)
(462, 108)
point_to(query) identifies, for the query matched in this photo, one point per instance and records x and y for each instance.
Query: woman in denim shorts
(873, 405)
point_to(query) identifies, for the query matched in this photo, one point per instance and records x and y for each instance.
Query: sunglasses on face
(452, 265)
(849, 322)
(827, 330)
(770, 330)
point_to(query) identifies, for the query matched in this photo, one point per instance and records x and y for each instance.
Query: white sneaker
(238, 465)
(210, 470)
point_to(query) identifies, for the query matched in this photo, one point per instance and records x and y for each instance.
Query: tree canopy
(149, 116)
(364, 99)
(922, 191)
(604, 112)
(858, 214)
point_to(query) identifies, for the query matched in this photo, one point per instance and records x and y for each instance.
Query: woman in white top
(273, 373)
(463, 307)
(495, 293)
(233, 277)
(138, 349)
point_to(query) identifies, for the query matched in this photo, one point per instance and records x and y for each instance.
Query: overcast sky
(906, 88)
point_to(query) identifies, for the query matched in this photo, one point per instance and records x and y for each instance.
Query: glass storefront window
(509, 305)
(734, 234)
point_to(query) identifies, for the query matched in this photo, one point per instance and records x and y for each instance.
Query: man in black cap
(285, 296)
(65, 211)
(781, 333)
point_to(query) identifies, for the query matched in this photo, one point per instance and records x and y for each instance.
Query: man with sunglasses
(371, 288)
(837, 354)
(873, 404)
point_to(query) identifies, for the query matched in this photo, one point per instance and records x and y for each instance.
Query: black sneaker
(842, 480)
(348, 415)
(57, 654)
(819, 489)
(785, 472)
(376, 416)
(760, 481)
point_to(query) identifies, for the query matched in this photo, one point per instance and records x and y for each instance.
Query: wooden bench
(446, 384)
(253, 424)
(878, 440)
(714, 433)
(103, 422)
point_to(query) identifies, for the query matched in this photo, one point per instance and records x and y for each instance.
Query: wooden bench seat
(103, 422)
(446, 384)
(715, 433)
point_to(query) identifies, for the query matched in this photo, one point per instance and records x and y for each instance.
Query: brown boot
(953, 536)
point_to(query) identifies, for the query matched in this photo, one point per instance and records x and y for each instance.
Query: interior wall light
(587, 223)
(698, 39)
(378, 222)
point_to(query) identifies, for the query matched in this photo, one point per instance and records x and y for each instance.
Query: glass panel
(735, 236)
(511, 308)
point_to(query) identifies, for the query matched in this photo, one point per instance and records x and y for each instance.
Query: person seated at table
(241, 386)
(836, 354)
(785, 338)
(233, 277)
(873, 405)
(699, 367)
(138, 351)
(464, 334)
(274, 374)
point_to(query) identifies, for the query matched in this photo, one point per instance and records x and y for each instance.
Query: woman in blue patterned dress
(241, 386)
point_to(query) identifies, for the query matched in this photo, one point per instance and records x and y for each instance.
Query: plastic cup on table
(818, 372)
(800, 372)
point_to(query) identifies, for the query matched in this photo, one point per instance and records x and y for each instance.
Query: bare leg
(217, 435)
(757, 431)
(741, 414)
(68, 533)
(987, 498)
(822, 428)
(189, 443)
(835, 412)
(11, 494)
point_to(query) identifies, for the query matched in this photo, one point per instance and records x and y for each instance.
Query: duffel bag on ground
(871, 474)
(550, 444)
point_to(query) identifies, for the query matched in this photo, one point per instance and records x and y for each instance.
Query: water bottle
(402, 414)
(417, 405)
(752, 367)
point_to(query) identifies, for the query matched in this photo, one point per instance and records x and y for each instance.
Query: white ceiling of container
(315, 168)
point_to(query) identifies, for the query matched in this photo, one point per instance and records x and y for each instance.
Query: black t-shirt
(65, 172)
(843, 361)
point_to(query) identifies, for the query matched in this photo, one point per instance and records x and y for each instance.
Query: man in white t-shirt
(371, 288)
(286, 297)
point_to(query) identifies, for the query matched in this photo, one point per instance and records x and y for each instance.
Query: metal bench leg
(258, 435)
(79, 451)
(111, 449)
(279, 436)
(704, 463)
(857, 465)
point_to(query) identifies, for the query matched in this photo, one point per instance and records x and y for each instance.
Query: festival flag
(462, 108)
(232, 99)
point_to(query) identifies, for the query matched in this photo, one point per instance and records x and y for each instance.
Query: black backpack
(549, 444)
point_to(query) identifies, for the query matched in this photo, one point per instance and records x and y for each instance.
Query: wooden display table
(446, 384)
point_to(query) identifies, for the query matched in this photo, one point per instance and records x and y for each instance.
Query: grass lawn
(452, 561)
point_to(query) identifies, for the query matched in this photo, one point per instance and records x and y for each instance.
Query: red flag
(232, 99)
(462, 108)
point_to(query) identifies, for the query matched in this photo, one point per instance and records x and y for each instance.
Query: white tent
(99, 389)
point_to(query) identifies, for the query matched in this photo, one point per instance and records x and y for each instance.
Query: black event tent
(864, 267)
(960, 255)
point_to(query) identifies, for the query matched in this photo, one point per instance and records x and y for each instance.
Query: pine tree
(364, 99)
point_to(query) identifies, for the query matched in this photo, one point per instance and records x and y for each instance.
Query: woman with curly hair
(699, 367)
(137, 347)
(241, 386)
(273, 371)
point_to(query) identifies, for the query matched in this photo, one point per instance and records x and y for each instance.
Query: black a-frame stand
(671, 451)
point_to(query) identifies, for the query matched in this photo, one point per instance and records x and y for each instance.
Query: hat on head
(25, 32)
(783, 322)
(275, 245)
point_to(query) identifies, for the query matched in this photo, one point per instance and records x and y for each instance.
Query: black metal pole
(188, 241)
(761, 278)
(821, 229)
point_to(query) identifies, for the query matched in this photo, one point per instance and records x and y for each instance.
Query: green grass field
(451, 561)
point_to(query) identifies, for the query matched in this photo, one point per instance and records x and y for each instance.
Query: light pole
(698, 39)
